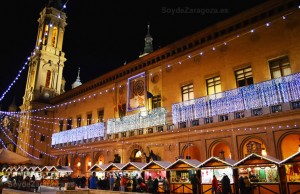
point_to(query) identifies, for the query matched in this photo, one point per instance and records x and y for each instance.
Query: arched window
(48, 79)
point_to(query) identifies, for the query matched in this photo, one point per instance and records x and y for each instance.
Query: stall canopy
(34, 169)
(214, 162)
(257, 160)
(48, 168)
(295, 158)
(97, 167)
(63, 169)
(157, 165)
(9, 157)
(114, 167)
(184, 164)
(133, 166)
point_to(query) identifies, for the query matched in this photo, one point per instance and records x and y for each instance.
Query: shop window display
(207, 174)
(267, 174)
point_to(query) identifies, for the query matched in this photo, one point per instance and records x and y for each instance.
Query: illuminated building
(231, 88)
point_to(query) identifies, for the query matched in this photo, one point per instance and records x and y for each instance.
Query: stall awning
(114, 166)
(292, 159)
(98, 167)
(133, 166)
(34, 169)
(48, 168)
(63, 169)
(184, 164)
(157, 165)
(257, 160)
(215, 162)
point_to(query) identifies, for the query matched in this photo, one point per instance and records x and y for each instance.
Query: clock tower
(45, 78)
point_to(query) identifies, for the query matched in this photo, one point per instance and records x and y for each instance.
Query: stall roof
(48, 168)
(21, 168)
(134, 166)
(292, 159)
(34, 168)
(157, 165)
(63, 169)
(214, 162)
(98, 167)
(184, 164)
(114, 166)
(257, 160)
(4, 169)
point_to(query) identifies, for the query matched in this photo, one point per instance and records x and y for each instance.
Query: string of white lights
(3, 144)
(11, 140)
(188, 57)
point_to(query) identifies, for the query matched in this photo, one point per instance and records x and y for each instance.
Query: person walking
(111, 182)
(247, 185)
(214, 185)
(150, 184)
(195, 183)
(241, 184)
(93, 181)
(226, 187)
(166, 185)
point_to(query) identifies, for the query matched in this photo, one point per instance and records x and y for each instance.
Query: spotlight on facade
(89, 163)
(263, 152)
(78, 164)
(100, 162)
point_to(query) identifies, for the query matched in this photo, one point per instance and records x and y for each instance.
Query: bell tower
(44, 81)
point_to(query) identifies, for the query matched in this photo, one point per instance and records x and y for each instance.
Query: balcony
(79, 134)
(154, 117)
(270, 93)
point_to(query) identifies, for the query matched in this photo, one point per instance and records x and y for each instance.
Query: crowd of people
(126, 183)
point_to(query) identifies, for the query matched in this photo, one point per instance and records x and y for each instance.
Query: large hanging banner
(136, 92)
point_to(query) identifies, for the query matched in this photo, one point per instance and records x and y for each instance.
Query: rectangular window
(42, 138)
(41, 155)
(244, 77)
(78, 121)
(156, 101)
(213, 85)
(100, 115)
(89, 119)
(280, 67)
(69, 123)
(187, 92)
(61, 125)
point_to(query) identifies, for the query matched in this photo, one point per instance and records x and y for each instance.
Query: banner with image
(136, 92)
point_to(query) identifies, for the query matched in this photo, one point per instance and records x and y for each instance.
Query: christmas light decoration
(136, 121)
(268, 93)
(79, 134)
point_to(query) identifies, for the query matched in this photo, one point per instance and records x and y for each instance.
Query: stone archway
(289, 144)
(99, 158)
(136, 153)
(220, 149)
(191, 151)
(252, 144)
(58, 161)
(77, 166)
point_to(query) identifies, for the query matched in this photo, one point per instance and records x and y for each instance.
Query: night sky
(100, 35)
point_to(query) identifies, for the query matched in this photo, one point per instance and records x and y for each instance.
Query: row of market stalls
(47, 175)
(267, 174)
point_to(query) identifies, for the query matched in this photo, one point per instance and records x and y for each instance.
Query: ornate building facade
(231, 88)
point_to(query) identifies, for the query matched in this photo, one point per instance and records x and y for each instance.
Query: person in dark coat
(78, 181)
(241, 185)
(155, 185)
(195, 183)
(226, 188)
(83, 182)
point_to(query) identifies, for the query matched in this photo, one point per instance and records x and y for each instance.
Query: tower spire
(77, 82)
(148, 43)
